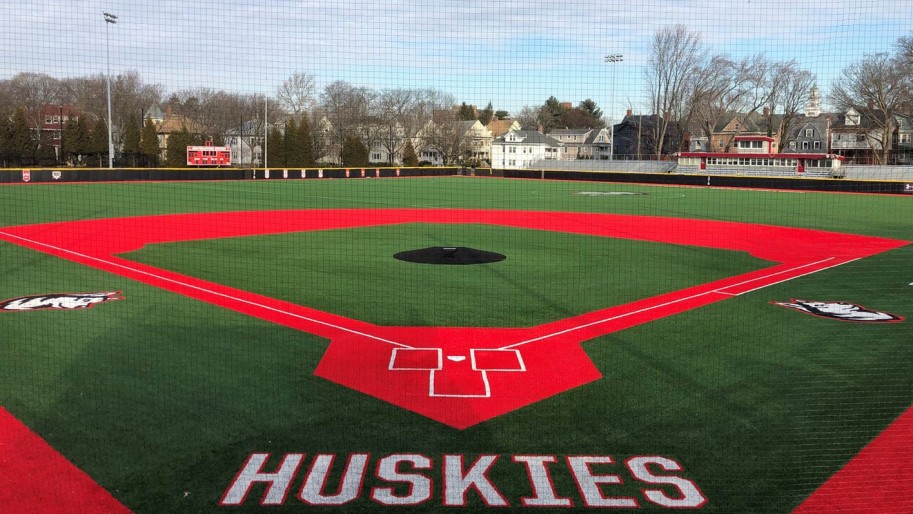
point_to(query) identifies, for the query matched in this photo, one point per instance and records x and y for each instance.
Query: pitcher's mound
(449, 255)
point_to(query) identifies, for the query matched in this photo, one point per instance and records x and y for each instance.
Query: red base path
(459, 376)
(36, 478)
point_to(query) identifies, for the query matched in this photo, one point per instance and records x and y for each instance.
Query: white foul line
(209, 291)
(717, 291)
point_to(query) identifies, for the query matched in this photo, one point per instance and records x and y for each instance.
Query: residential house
(246, 144)
(598, 145)
(518, 149)
(445, 140)
(172, 124)
(809, 135)
(855, 137)
(903, 140)
(734, 125)
(52, 123)
(635, 140)
(588, 143)
(479, 140)
(573, 140)
(500, 127)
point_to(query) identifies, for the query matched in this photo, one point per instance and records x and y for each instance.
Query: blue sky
(512, 52)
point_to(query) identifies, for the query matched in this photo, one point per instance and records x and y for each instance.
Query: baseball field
(256, 346)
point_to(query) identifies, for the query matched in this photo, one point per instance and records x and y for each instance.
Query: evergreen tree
(131, 148)
(5, 144)
(354, 152)
(502, 115)
(550, 114)
(467, 112)
(21, 146)
(45, 155)
(176, 152)
(149, 144)
(74, 139)
(487, 114)
(275, 148)
(410, 158)
(291, 144)
(306, 142)
(97, 142)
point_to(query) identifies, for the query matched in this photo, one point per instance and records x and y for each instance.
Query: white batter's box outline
(439, 352)
(440, 359)
(521, 366)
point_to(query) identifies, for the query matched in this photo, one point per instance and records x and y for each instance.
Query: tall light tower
(110, 19)
(613, 59)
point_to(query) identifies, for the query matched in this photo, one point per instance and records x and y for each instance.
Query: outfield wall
(72, 175)
(790, 183)
(50, 175)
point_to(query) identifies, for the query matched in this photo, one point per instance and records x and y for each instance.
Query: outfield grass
(161, 398)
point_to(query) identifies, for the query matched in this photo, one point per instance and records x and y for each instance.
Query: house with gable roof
(518, 149)
(500, 127)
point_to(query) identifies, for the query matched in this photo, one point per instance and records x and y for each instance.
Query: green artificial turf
(547, 276)
(161, 398)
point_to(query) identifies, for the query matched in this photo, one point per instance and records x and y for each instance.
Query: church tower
(813, 110)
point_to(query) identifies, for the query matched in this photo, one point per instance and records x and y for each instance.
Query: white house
(518, 149)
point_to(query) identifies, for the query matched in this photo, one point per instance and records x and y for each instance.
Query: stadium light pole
(265, 132)
(110, 19)
(612, 59)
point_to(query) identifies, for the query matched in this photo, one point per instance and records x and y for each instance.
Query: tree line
(686, 87)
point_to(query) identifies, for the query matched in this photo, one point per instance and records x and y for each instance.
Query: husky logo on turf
(840, 310)
(66, 301)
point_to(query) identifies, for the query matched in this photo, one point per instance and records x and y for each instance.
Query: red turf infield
(465, 375)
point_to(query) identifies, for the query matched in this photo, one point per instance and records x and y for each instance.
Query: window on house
(792, 145)
(808, 132)
(757, 144)
(817, 145)
(904, 138)
(805, 145)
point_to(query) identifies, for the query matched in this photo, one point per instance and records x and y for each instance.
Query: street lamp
(110, 19)
(612, 59)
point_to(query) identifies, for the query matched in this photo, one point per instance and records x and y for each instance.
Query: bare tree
(905, 49)
(676, 56)
(790, 87)
(346, 108)
(447, 135)
(878, 86)
(33, 92)
(296, 94)
(394, 110)
(528, 118)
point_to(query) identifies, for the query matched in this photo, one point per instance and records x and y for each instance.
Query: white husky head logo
(840, 310)
(58, 301)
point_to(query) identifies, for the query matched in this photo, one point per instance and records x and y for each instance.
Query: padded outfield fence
(681, 179)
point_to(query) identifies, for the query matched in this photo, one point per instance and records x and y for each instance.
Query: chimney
(629, 113)
(766, 112)
(168, 112)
